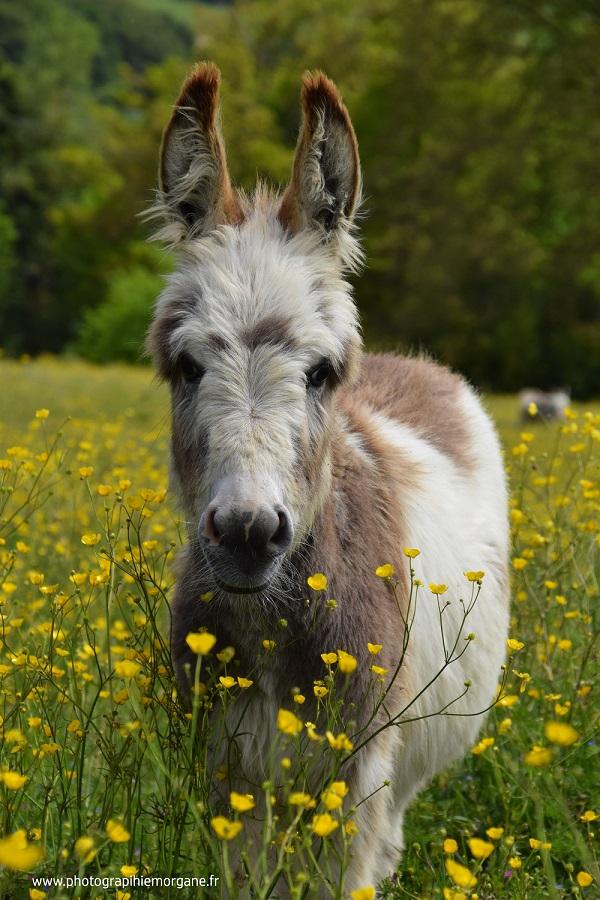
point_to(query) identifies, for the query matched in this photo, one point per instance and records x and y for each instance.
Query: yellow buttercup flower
(538, 756)
(515, 862)
(536, 844)
(438, 588)
(227, 681)
(244, 683)
(324, 824)
(14, 781)
(224, 828)
(317, 582)
(42, 413)
(127, 668)
(333, 797)
(201, 643)
(411, 552)
(385, 571)
(584, 879)
(116, 832)
(495, 833)
(374, 649)
(91, 539)
(514, 645)
(301, 798)
(589, 816)
(128, 871)
(329, 658)
(241, 802)
(480, 849)
(288, 723)
(508, 700)
(346, 662)
(85, 848)
(339, 742)
(450, 845)
(363, 893)
(474, 576)
(460, 875)
(378, 670)
(561, 733)
(17, 853)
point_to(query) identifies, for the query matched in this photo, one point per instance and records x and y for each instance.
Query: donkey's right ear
(195, 193)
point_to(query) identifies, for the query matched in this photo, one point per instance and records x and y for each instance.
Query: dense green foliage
(478, 126)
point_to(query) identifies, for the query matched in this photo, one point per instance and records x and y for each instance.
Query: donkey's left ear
(195, 193)
(324, 190)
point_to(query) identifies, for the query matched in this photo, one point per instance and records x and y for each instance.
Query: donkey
(294, 452)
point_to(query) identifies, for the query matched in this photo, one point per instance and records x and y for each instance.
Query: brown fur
(319, 96)
(218, 342)
(199, 97)
(271, 329)
(419, 393)
(158, 341)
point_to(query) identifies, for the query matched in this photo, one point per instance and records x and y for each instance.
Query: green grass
(111, 747)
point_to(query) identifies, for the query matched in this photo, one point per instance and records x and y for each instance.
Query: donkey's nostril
(282, 536)
(252, 535)
(211, 529)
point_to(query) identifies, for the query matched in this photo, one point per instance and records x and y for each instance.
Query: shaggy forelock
(230, 282)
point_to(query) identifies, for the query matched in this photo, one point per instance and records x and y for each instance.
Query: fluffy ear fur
(324, 190)
(195, 193)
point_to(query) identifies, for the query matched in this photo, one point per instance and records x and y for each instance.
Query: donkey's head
(256, 329)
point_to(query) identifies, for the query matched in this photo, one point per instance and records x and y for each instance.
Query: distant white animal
(544, 405)
(294, 452)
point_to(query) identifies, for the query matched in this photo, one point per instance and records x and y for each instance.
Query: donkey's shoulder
(414, 391)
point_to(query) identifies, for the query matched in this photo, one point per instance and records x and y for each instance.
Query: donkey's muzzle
(245, 540)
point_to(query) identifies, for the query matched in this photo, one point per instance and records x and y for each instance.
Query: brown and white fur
(387, 452)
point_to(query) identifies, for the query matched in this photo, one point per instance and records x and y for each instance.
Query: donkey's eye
(319, 375)
(191, 371)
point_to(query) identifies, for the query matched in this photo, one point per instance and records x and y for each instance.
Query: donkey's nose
(252, 535)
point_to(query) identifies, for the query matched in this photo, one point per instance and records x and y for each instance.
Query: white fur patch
(457, 518)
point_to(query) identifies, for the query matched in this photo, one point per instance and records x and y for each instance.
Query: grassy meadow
(104, 774)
